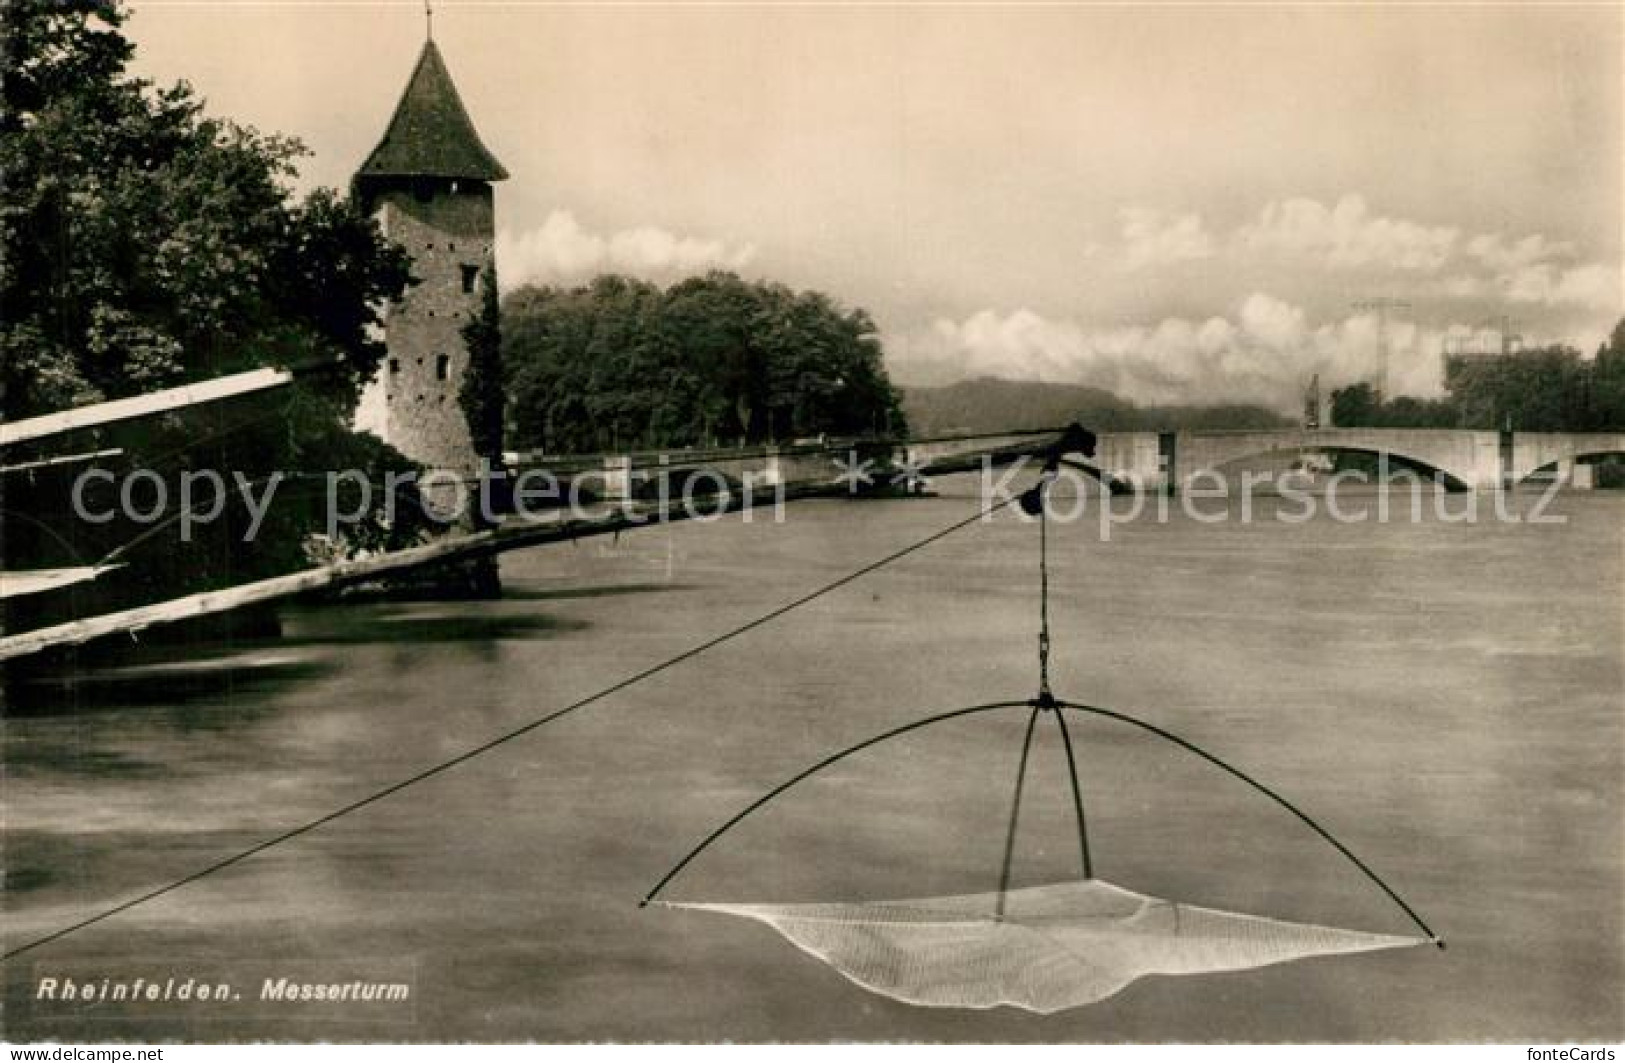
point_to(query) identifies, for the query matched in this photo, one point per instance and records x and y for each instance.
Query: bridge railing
(701, 455)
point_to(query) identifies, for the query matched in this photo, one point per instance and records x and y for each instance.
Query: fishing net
(1055, 947)
(1043, 948)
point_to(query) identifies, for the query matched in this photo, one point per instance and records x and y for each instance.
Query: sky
(1178, 203)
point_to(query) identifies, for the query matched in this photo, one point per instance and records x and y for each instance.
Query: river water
(1445, 696)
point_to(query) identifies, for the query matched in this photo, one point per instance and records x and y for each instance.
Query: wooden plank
(445, 550)
(362, 570)
(62, 459)
(38, 580)
(974, 461)
(154, 402)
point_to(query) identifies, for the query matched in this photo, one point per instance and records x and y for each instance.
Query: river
(1445, 696)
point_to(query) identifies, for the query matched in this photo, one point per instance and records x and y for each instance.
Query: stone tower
(429, 184)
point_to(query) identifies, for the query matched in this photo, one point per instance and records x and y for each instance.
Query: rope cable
(1046, 699)
(809, 772)
(1043, 593)
(443, 766)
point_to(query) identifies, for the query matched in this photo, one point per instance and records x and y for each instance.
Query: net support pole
(1077, 795)
(1015, 815)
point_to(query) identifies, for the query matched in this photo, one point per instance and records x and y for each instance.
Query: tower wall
(447, 227)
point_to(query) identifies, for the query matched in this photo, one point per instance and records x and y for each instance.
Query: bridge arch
(1595, 457)
(1564, 468)
(1460, 459)
(1397, 462)
(1532, 452)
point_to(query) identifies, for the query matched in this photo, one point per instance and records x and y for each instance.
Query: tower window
(442, 367)
(394, 366)
(470, 275)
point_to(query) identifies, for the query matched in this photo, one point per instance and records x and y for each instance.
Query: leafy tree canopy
(621, 363)
(144, 243)
(1544, 389)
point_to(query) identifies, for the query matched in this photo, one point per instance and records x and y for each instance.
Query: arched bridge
(1143, 460)
(1460, 459)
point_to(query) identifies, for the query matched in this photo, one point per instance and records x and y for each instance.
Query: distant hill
(989, 404)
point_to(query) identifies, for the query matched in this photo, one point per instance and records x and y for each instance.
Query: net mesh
(1056, 947)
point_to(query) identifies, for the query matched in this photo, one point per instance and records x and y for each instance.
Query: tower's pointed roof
(431, 134)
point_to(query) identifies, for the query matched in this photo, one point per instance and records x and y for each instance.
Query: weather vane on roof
(428, 18)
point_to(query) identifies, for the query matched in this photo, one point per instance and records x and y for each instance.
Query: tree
(144, 244)
(1543, 389)
(620, 363)
(1406, 412)
(1354, 406)
(1608, 385)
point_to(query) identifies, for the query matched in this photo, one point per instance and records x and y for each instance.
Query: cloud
(1264, 351)
(1502, 254)
(1346, 236)
(1464, 286)
(1546, 284)
(560, 250)
(1152, 238)
(1429, 260)
(1301, 232)
(1535, 270)
(1273, 322)
(1593, 286)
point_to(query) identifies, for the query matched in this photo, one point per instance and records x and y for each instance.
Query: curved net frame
(1052, 947)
